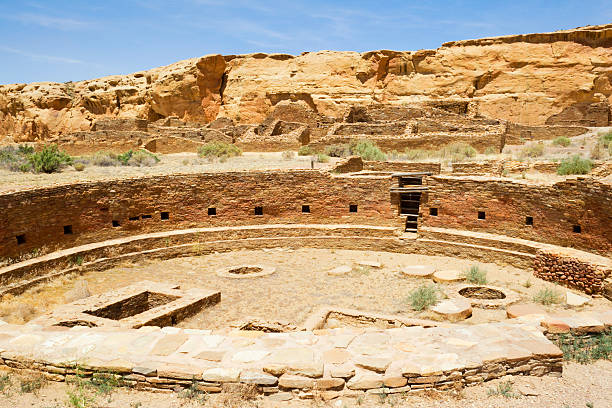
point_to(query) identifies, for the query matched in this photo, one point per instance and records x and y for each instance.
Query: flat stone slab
(340, 270)
(573, 299)
(371, 264)
(418, 271)
(449, 276)
(524, 309)
(453, 310)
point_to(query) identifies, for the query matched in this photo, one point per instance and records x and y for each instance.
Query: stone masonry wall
(64, 216)
(573, 213)
(571, 272)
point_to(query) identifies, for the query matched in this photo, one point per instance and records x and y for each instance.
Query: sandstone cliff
(563, 77)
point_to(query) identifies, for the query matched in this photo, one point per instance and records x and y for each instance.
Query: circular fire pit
(487, 297)
(246, 271)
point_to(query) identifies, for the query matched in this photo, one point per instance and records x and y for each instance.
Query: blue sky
(52, 40)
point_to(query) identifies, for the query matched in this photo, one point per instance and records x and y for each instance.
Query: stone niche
(142, 304)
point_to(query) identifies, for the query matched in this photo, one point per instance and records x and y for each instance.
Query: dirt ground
(178, 163)
(299, 286)
(581, 386)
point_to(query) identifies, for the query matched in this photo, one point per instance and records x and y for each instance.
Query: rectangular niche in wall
(146, 216)
(577, 229)
(134, 218)
(116, 223)
(353, 208)
(165, 215)
(20, 239)
(212, 211)
(528, 220)
(305, 208)
(433, 211)
(67, 229)
(258, 210)
(482, 215)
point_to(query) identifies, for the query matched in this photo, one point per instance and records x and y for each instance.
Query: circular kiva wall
(484, 218)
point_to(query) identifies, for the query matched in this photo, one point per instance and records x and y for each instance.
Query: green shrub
(574, 165)
(105, 159)
(562, 141)
(49, 160)
(124, 158)
(322, 158)
(306, 151)
(367, 150)
(491, 150)
(218, 149)
(586, 349)
(79, 166)
(423, 297)
(503, 389)
(533, 150)
(338, 150)
(548, 296)
(457, 152)
(476, 275)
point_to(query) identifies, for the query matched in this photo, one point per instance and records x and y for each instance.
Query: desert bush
(16, 158)
(562, 141)
(503, 389)
(213, 150)
(423, 297)
(338, 150)
(574, 165)
(491, 150)
(476, 275)
(533, 150)
(79, 166)
(586, 349)
(457, 152)
(322, 158)
(548, 296)
(142, 158)
(415, 154)
(606, 139)
(367, 149)
(104, 159)
(288, 155)
(597, 151)
(49, 160)
(305, 151)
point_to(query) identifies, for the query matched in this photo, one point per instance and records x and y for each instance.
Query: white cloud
(41, 57)
(51, 22)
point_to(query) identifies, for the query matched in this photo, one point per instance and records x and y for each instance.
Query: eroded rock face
(563, 77)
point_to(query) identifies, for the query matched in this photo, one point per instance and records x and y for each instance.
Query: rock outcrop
(559, 78)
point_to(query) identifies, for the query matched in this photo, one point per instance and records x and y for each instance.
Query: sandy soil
(580, 386)
(169, 164)
(299, 286)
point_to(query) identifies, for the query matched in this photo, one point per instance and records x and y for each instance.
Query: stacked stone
(570, 272)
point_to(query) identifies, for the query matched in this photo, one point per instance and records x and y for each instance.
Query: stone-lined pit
(481, 292)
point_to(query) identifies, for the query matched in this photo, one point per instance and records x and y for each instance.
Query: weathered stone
(325, 384)
(418, 271)
(295, 381)
(573, 299)
(340, 270)
(365, 381)
(378, 364)
(336, 356)
(523, 309)
(449, 276)
(342, 371)
(221, 374)
(257, 377)
(453, 310)
(169, 344)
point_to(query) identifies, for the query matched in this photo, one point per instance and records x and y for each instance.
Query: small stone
(169, 344)
(448, 276)
(553, 326)
(371, 264)
(336, 356)
(340, 270)
(281, 396)
(146, 371)
(211, 355)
